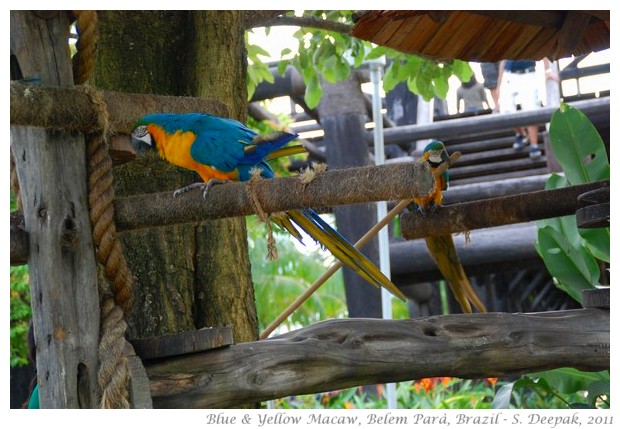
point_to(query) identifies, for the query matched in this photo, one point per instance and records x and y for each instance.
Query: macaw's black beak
(140, 146)
(444, 156)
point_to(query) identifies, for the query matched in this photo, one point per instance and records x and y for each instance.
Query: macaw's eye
(139, 132)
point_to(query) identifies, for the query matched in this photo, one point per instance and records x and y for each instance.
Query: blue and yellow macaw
(222, 150)
(442, 248)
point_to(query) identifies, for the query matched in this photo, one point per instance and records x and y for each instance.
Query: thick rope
(86, 57)
(101, 197)
(113, 375)
(115, 294)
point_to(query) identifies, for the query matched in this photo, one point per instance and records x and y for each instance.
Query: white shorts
(518, 89)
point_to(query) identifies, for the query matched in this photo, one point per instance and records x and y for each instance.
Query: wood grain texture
(336, 354)
(51, 166)
(334, 187)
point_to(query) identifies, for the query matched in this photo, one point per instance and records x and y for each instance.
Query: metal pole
(376, 68)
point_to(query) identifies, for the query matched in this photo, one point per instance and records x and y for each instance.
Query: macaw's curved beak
(444, 156)
(140, 146)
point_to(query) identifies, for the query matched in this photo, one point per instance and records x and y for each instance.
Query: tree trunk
(184, 282)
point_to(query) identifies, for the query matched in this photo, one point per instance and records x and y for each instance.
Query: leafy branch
(327, 52)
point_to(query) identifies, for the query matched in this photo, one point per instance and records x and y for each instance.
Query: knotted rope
(86, 57)
(116, 299)
(272, 248)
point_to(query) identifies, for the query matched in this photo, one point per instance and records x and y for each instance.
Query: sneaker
(535, 152)
(520, 142)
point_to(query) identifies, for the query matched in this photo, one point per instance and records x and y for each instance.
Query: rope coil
(115, 293)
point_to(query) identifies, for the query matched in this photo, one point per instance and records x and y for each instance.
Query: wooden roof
(486, 35)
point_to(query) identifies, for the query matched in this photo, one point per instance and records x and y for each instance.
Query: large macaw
(222, 150)
(442, 248)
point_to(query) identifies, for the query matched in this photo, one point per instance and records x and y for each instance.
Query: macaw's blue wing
(267, 146)
(263, 147)
(220, 142)
(321, 231)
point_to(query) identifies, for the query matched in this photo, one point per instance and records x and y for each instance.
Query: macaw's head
(141, 139)
(435, 153)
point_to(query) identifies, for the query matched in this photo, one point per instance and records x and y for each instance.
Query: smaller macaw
(442, 248)
(222, 150)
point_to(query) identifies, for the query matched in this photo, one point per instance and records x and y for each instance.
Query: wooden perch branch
(497, 211)
(72, 108)
(343, 186)
(343, 353)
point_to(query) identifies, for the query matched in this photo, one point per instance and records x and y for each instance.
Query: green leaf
(462, 70)
(596, 241)
(598, 388)
(263, 73)
(313, 91)
(503, 396)
(574, 270)
(389, 79)
(440, 86)
(342, 70)
(570, 380)
(285, 51)
(376, 52)
(329, 70)
(254, 50)
(282, 65)
(578, 146)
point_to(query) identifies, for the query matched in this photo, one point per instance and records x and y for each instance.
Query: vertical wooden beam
(51, 166)
(343, 115)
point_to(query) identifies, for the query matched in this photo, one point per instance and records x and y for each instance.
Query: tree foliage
(571, 254)
(328, 55)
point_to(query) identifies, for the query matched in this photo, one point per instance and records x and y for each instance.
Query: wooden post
(343, 114)
(51, 166)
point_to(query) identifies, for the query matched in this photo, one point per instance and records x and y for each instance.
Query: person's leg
(528, 93)
(507, 104)
(532, 135)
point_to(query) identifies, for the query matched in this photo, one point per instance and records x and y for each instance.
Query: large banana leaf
(575, 270)
(578, 146)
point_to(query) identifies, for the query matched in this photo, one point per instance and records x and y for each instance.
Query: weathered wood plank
(51, 167)
(342, 353)
(182, 342)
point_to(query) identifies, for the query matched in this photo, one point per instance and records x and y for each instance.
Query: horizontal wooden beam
(504, 248)
(494, 189)
(337, 354)
(331, 188)
(507, 210)
(73, 108)
(479, 124)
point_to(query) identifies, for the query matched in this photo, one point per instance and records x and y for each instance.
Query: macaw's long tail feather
(286, 151)
(321, 231)
(265, 144)
(284, 222)
(443, 251)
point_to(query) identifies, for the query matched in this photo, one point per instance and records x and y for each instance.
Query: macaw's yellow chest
(175, 148)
